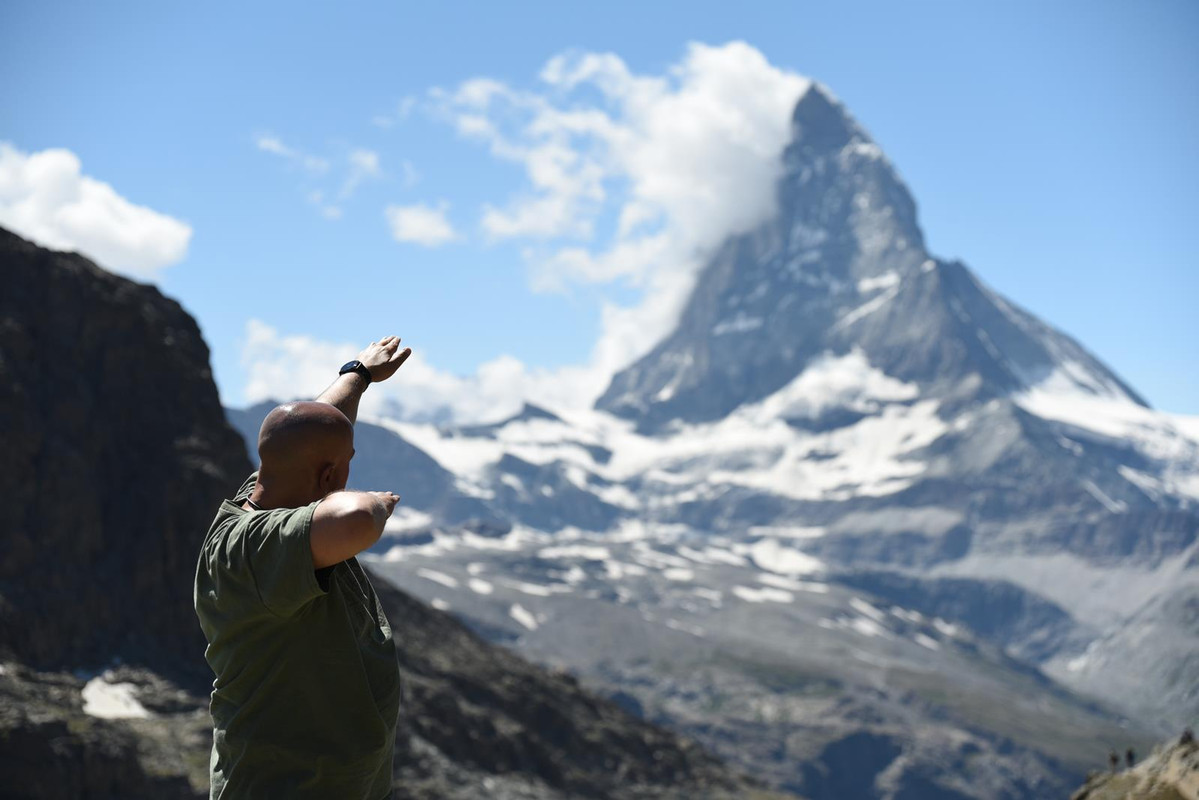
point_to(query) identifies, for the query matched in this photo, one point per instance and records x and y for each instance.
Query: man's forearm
(381, 359)
(344, 393)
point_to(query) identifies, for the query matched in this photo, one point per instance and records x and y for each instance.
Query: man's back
(307, 686)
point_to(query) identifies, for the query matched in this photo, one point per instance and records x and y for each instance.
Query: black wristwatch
(356, 366)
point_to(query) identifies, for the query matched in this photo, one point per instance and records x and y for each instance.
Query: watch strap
(359, 367)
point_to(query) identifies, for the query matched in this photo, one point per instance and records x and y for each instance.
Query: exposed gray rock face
(842, 265)
(852, 459)
(1026, 624)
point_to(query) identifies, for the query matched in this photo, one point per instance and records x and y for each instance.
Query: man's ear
(328, 478)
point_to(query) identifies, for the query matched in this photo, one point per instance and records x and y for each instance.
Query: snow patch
(616, 570)
(112, 700)
(583, 551)
(656, 559)
(768, 595)
(772, 556)
(738, 324)
(679, 574)
(867, 627)
(830, 382)
(925, 640)
(1079, 662)
(862, 607)
(405, 519)
(575, 575)
(523, 616)
(694, 630)
(438, 577)
(1089, 404)
(866, 309)
(908, 615)
(712, 555)
(537, 589)
(1114, 506)
(946, 628)
(884, 281)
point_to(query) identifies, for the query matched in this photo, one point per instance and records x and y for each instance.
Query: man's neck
(265, 503)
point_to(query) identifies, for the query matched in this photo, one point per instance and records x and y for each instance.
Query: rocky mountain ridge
(915, 504)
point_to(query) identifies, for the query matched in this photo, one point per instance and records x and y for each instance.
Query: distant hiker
(307, 689)
(1188, 736)
(1114, 760)
(1130, 758)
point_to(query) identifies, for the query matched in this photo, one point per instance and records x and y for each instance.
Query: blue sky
(1048, 145)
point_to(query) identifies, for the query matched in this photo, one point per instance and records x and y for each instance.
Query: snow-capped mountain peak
(837, 414)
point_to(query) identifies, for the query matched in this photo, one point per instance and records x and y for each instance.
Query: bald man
(307, 686)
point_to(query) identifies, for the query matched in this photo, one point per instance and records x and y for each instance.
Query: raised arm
(346, 523)
(382, 359)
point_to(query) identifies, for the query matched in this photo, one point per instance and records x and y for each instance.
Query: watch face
(349, 365)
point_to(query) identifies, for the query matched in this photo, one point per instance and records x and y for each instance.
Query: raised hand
(384, 357)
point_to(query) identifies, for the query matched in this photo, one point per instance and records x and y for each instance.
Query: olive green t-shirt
(307, 686)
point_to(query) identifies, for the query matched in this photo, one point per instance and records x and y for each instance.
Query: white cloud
(328, 210)
(364, 164)
(45, 197)
(273, 145)
(673, 164)
(393, 118)
(566, 183)
(680, 161)
(360, 165)
(284, 367)
(287, 367)
(422, 224)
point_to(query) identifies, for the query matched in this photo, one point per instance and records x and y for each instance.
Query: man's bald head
(299, 443)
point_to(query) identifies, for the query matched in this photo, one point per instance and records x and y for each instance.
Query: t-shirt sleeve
(278, 553)
(246, 487)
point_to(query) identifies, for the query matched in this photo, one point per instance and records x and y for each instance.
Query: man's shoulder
(247, 486)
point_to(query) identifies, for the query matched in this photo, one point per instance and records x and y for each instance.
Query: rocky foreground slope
(1170, 773)
(476, 721)
(116, 456)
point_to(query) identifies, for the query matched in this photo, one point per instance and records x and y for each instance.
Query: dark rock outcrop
(116, 451)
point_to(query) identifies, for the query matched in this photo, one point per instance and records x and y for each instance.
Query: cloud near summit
(628, 178)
